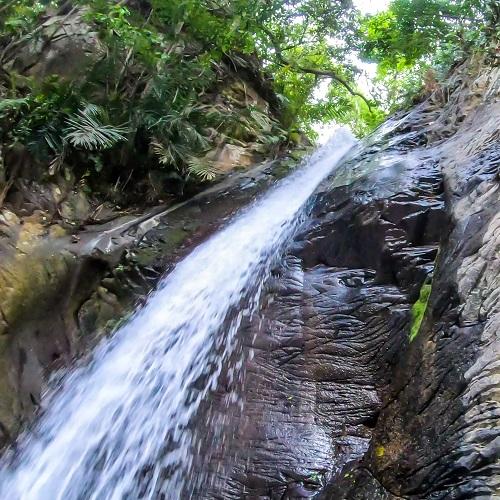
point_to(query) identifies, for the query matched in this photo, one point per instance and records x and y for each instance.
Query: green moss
(418, 309)
(294, 137)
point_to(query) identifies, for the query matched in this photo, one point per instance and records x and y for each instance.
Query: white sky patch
(325, 130)
(371, 6)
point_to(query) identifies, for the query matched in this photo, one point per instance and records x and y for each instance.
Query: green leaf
(13, 104)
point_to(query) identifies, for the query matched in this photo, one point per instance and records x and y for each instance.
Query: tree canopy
(413, 37)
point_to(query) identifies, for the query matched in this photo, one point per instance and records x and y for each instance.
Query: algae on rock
(418, 309)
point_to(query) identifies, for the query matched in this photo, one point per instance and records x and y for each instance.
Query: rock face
(335, 322)
(438, 434)
(64, 45)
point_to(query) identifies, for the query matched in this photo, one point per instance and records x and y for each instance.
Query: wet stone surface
(320, 355)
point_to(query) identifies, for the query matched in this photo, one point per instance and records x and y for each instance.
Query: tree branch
(317, 72)
(334, 76)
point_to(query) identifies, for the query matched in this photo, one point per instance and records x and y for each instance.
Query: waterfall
(118, 425)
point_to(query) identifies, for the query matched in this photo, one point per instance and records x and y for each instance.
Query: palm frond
(45, 141)
(57, 145)
(162, 152)
(53, 139)
(261, 119)
(171, 153)
(202, 168)
(94, 110)
(87, 129)
(189, 134)
(57, 162)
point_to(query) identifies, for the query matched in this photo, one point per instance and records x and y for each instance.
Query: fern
(88, 130)
(56, 163)
(171, 153)
(57, 145)
(44, 141)
(189, 134)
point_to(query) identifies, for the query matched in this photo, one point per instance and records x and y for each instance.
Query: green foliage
(162, 59)
(202, 168)
(121, 29)
(10, 105)
(400, 36)
(418, 310)
(414, 37)
(397, 89)
(37, 119)
(412, 29)
(20, 16)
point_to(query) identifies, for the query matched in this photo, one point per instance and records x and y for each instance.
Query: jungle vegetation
(144, 100)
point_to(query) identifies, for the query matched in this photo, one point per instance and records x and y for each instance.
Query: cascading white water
(117, 427)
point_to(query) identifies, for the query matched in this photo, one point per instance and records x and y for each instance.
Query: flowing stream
(118, 426)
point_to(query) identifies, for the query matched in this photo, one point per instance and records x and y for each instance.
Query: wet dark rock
(437, 434)
(325, 345)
